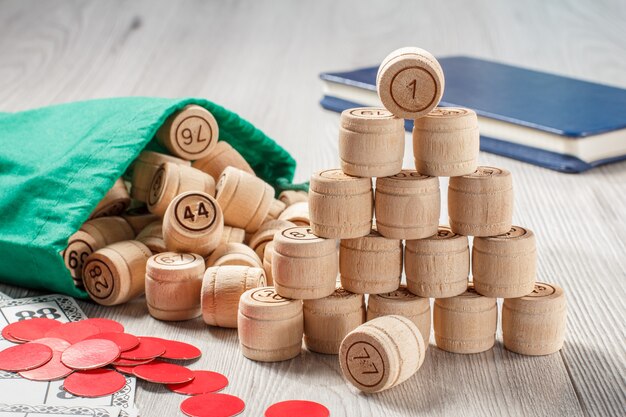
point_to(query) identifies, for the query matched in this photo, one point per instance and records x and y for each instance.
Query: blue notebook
(548, 120)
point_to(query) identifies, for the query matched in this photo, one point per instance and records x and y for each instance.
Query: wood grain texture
(55, 52)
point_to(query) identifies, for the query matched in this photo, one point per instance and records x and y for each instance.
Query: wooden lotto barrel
(173, 283)
(266, 233)
(370, 264)
(171, 180)
(290, 197)
(402, 302)
(152, 237)
(297, 213)
(267, 262)
(139, 217)
(93, 235)
(410, 82)
(116, 273)
(437, 266)
(270, 327)
(144, 168)
(505, 266)
(190, 133)
(193, 223)
(304, 266)
(276, 208)
(232, 235)
(114, 203)
(341, 206)
(244, 199)
(371, 142)
(407, 205)
(535, 324)
(222, 156)
(234, 254)
(481, 203)
(221, 289)
(446, 142)
(381, 353)
(328, 320)
(465, 323)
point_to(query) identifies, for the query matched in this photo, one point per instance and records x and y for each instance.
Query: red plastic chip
(298, 408)
(74, 331)
(24, 357)
(50, 371)
(54, 343)
(106, 325)
(130, 362)
(148, 348)
(125, 341)
(212, 405)
(7, 336)
(202, 383)
(90, 354)
(177, 350)
(94, 383)
(124, 369)
(163, 373)
(31, 329)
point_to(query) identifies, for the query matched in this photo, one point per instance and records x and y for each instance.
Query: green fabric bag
(58, 162)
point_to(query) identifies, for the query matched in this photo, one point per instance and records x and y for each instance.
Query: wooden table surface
(262, 59)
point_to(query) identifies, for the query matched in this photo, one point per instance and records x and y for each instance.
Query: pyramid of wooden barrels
(202, 236)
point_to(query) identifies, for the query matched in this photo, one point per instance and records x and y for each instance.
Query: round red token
(148, 348)
(298, 408)
(24, 357)
(54, 343)
(177, 350)
(163, 373)
(212, 405)
(74, 331)
(90, 354)
(130, 362)
(51, 371)
(31, 329)
(124, 369)
(106, 325)
(124, 340)
(94, 383)
(7, 336)
(202, 383)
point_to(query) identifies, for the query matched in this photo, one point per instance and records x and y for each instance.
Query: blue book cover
(571, 125)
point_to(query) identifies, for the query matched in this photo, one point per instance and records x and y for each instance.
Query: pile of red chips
(93, 354)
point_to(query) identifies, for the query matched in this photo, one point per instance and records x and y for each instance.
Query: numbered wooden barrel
(371, 264)
(267, 262)
(297, 214)
(233, 235)
(116, 273)
(328, 320)
(381, 353)
(276, 208)
(190, 133)
(437, 266)
(143, 170)
(371, 142)
(244, 199)
(266, 233)
(152, 237)
(270, 327)
(234, 254)
(93, 235)
(505, 266)
(340, 206)
(446, 142)
(140, 217)
(407, 205)
(304, 266)
(481, 204)
(221, 289)
(290, 197)
(535, 324)
(193, 223)
(114, 203)
(173, 283)
(222, 156)
(402, 302)
(465, 323)
(410, 82)
(171, 180)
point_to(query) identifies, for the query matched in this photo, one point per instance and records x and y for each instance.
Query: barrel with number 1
(193, 223)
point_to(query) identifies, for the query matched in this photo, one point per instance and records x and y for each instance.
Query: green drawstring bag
(58, 162)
